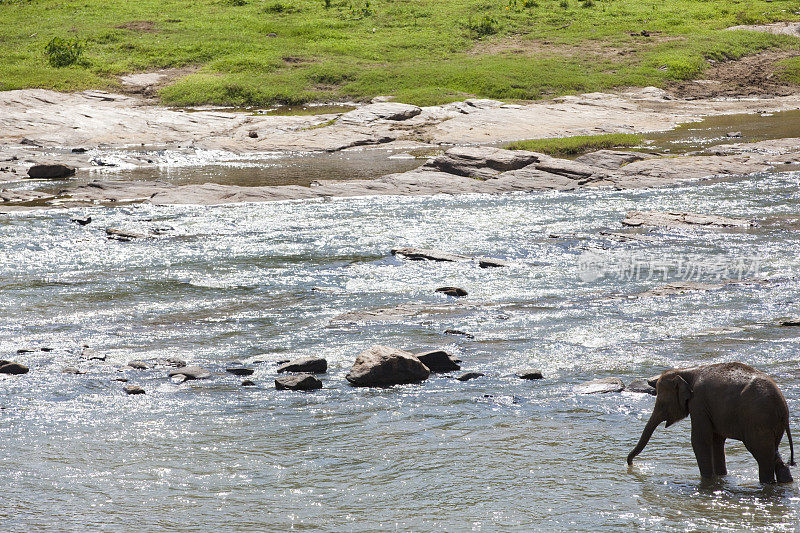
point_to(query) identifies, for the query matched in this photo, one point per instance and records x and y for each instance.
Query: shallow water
(265, 282)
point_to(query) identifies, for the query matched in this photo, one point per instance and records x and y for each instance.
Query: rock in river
(452, 291)
(530, 374)
(641, 386)
(470, 375)
(240, 371)
(8, 367)
(421, 254)
(191, 372)
(601, 385)
(139, 365)
(50, 171)
(133, 389)
(310, 365)
(298, 382)
(384, 366)
(438, 361)
(682, 219)
(789, 322)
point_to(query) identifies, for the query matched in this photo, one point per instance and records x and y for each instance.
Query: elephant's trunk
(651, 426)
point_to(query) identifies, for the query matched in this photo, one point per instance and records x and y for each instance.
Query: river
(258, 283)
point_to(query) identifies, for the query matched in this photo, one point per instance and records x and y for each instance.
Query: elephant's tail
(791, 446)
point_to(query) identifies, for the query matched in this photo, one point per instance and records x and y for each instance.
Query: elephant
(724, 401)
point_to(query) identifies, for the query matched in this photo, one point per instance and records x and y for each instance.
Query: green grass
(790, 70)
(421, 51)
(566, 146)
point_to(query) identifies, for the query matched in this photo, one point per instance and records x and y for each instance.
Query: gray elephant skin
(724, 401)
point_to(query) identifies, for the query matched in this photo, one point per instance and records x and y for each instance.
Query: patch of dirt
(142, 26)
(755, 75)
(545, 48)
(148, 83)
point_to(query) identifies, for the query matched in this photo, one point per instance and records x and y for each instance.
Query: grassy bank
(567, 146)
(261, 52)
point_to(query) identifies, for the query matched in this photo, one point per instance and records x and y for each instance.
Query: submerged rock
(459, 332)
(133, 389)
(8, 367)
(50, 171)
(72, 370)
(456, 292)
(641, 386)
(298, 382)
(530, 374)
(311, 365)
(601, 386)
(240, 371)
(470, 375)
(191, 372)
(438, 361)
(384, 366)
(139, 365)
(121, 235)
(680, 219)
(248, 383)
(421, 254)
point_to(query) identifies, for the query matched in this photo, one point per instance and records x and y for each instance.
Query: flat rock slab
(481, 162)
(601, 386)
(118, 234)
(382, 366)
(678, 288)
(426, 254)
(438, 361)
(191, 372)
(611, 159)
(681, 219)
(298, 382)
(380, 111)
(309, 365)
(51, 171)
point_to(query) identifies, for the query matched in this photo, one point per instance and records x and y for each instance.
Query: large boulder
(310, 365)
(50, 171)
(298, 382)
(382, 366)
(438, 361)
(381, 111)
(8, 367)
(641, 386)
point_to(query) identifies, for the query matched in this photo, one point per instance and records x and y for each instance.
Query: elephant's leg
(702, 437)
(764, 453)
(782, 472)
(718, 455)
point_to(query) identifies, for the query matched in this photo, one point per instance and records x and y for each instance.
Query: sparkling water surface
(258, 283)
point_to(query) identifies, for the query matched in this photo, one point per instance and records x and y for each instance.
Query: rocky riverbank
(98, 131)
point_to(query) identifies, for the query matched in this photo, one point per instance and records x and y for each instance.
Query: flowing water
(261, 283)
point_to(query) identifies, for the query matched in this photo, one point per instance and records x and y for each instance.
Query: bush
(63, 52)
(485, 26)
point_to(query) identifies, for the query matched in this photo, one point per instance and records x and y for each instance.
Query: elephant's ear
(684, 393)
